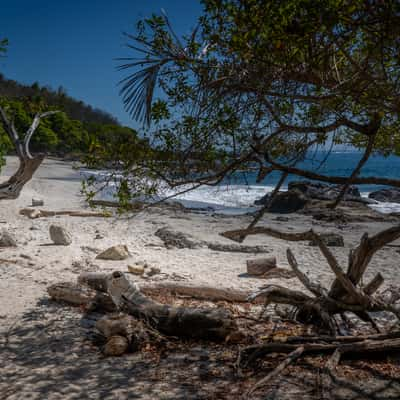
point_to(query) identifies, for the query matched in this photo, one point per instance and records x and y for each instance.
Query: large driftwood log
(97, 281)
(28, 164)
(204, 323)
(207, 323)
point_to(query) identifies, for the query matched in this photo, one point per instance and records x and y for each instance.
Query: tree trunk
(11, 189)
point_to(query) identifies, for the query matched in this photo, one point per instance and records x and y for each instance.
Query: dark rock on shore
(386, 195)
(302, 193)
(322, 191)
(284, 202)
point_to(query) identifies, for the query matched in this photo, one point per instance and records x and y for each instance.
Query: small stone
(116, 346)
(7, 239)
(136, 269)
(99, 236)
(37, 202)
(116, 253)
(59, 235)
(153, 271)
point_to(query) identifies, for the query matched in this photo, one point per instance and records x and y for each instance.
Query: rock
(284, 202)
(136, 269)
(330, 239)
(116, 253)
(391, 195)
(322, 191)
(282, 219)
(176, 239)
(7, 239)
(153, 271)
(260, 266)
(59, 235)
(98, 236)
(116, 346)
(37, 202)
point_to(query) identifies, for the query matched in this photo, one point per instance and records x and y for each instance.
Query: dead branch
(280, 368)
(28, 163)
(33, 213)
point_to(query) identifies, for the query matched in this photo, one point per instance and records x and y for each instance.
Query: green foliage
(262, 79)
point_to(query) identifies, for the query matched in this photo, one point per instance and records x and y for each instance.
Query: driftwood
(207, 323)
(356, 348)
(80, 295)
(97, 281)
(204, 323)
(345, 294)
(280, 368)
(33, 213)
(28, 164)
(175, 239)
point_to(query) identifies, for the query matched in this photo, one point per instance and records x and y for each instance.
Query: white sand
(39, 264)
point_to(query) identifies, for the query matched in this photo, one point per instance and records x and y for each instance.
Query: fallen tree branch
(201, 323)
(284, 364)
(33, 213)
(98, 281)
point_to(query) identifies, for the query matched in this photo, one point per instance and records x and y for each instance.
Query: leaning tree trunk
(28, 164)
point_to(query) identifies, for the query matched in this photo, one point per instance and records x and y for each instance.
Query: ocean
(239, 193)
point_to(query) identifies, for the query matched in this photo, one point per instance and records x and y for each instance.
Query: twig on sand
(288, 360)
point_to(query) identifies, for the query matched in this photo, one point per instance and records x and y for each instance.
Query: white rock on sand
(59, 235)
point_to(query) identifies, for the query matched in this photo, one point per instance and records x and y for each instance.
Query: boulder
(322, 191)
(59, 235)
(284, 202)
(390, 195)
(330, 239)
(7, 239)
(115, 253)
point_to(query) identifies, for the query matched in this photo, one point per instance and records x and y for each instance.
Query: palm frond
(137, 90)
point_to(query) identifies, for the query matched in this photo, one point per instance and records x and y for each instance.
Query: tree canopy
(258, 83)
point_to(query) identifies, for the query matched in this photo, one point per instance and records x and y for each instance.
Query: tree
(257, 84)
(28, 163)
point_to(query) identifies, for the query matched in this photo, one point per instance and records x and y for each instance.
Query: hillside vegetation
(76, 130)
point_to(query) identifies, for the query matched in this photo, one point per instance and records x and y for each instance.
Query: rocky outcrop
(322, 191)
(59, 235)
(284, 202)
(303, 193)
(391, 195)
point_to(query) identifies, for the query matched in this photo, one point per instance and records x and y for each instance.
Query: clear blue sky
(74, 43)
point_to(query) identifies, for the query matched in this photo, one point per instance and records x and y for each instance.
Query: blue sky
(74, 43)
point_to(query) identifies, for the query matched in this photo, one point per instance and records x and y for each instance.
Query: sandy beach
(44, 353)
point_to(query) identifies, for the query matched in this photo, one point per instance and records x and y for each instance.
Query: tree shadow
(49, 353)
